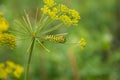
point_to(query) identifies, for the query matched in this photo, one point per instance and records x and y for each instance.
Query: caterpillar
(56, 38)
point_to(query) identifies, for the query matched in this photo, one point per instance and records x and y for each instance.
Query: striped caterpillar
(56, 38)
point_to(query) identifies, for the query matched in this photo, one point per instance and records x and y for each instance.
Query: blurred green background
(99, 25)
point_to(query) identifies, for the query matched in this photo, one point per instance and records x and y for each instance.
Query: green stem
(19, 39)
(29, 59)
(21, 26)
(36, 16)
(41, 23)
(26, 24)
(43, 15)
(28, 20)
(53, 29)
(49, 21)
(43, 46)
(18, 32)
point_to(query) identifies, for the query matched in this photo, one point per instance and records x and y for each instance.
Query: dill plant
(6, 39)
(37, 29)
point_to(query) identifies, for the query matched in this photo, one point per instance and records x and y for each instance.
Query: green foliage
(99, 60)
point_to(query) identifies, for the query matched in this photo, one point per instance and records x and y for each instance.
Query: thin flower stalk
(29, 58)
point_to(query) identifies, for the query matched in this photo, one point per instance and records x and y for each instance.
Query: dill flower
(63, 8)
(62, 13)
(1, 65)
(18, 71)
(53, 15)
(14, 69)
(3, 25)
(49, 3)
(8, 40)
(82, 42)
(66, 20)
(10, 64)
(10, 68)
(3, 74)
(45, 9)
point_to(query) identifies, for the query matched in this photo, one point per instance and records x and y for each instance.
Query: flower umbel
(5, 38)
(61, 13)
(10, 68)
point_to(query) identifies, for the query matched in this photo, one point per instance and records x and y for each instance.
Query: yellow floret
(66, 20)
(8, 40)
(82, 42)
(49, 3)
(63, 8)
(18, 71)
(53, 15)
(9, 69)
(74, 14)
(2, 65)
(10, 64)
(45, 9)
(3, 25)
(61, 12)
(55, 10)
(3, 74)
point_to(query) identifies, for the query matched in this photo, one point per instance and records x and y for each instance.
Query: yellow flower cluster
(10, 68)
(3, 24)
(82, 42)
(49, 3)
(3, 74)
(60, 12)
(6, 39)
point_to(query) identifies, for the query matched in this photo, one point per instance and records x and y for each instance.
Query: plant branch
(54, 28)
(29, 59)
(43, 46)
